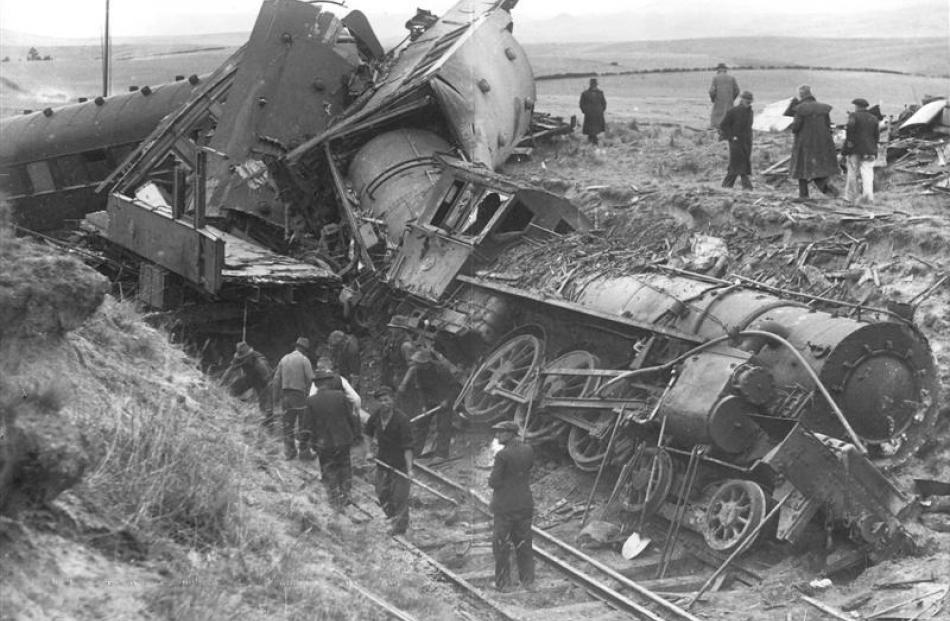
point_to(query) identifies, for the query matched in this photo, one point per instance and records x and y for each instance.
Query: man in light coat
(291, 384)
(722, 93)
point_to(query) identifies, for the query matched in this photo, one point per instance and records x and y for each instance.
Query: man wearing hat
(512, 506)
(391, 433)
(722, 93)
(814, 157)
(438, 388)
(860, 150)
(345, 354)
(256, 374)
(736, 128)
(333, 431)
(291, 384)
(593, 104)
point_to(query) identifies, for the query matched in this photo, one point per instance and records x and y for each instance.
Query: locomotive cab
(471, 214)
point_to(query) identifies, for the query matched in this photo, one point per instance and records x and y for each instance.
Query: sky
(84, 18)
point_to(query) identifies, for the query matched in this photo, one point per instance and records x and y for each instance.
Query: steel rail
(667, 605)
(457, 579)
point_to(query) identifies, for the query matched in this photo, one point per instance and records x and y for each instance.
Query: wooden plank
(579, 610)
(194, 254)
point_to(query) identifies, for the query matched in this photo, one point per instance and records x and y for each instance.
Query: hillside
(133, 487)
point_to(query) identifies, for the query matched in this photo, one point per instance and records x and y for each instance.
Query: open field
(76, 72)
(924, 56)
(683, 98)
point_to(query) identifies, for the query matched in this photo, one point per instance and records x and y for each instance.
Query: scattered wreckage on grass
(312, 166)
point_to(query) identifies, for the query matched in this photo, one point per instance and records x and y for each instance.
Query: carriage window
(97, 164)
(447, 201)
(459, 211)
(487, 208)
(15, 181)
(69, 171)
(40, 177)
(517, 219)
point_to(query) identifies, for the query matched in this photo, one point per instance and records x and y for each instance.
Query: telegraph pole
(105, 56)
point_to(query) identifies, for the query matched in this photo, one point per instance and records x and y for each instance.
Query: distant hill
(924, 56)
(646, 20)
(660, 20)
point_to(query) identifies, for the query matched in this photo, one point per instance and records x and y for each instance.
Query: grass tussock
(162, 471)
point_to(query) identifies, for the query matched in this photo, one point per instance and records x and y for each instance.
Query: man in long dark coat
(722, 93)
(334, 429)
(736, 128)
(512, 506)
(813, 151)
(593, 105)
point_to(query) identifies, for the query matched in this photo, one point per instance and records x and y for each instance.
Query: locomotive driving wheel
(587, 447)
(543, 426)
(649, 482)
(735, 510)
(507, 371)
(589, 437)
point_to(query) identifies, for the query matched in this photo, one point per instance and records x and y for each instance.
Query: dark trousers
(821, 183)
(513, 528)
(294, 405)
(441, 422)
(393, 493)
(337, 474)
(265, 401)
(730, 180)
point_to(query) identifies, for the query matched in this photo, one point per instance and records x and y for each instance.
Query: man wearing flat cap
(256, 374)
(291, 385)
(391, 433)
(512, 506)
(334, 429)
(736, 128)
(722, 93)
(432, 376)
(860, 151)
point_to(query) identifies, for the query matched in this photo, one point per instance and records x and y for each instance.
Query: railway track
(452, 533)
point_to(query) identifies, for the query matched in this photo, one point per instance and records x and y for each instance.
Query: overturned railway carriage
(708, 395)
(52, 160)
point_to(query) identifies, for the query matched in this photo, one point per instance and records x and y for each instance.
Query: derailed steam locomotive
(711, 397)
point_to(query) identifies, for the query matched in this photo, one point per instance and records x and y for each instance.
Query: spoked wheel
(649, 482)
(736, 509)
(541, 425)
(507, 369)
(588, 447)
